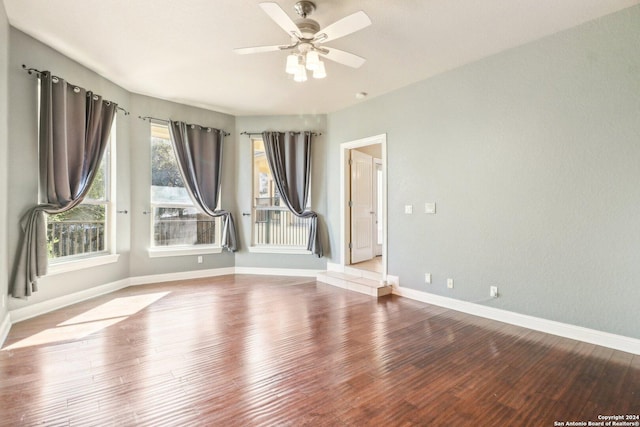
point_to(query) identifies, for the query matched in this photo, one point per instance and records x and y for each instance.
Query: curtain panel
(74, 131)
(289, 157)
(199, 154)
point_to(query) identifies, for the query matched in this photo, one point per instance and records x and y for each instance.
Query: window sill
(80, 264)
(169, 252)
(278, 250)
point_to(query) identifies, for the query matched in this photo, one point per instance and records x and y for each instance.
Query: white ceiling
(182, 50)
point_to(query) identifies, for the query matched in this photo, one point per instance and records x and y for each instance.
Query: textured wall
(532, 158)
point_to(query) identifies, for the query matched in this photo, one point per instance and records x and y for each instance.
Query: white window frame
(267, 249)
(108, 255)
(178, 250)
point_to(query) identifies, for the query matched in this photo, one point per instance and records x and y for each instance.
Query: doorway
(364, 205)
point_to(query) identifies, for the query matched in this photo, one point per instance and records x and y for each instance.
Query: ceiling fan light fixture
(301, 74)
(307, 38)
(292, 64)
(319, 72)
(312, 60)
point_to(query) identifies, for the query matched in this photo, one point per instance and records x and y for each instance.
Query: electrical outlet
(493, 291)
(408, 209)
(450, 283)
(427, 277)
(200, 259)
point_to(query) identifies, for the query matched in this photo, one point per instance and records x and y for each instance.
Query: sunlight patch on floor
(91, 321)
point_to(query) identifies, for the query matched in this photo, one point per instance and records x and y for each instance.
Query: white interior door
(362, 211)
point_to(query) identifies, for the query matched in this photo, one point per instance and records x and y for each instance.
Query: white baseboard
(182, 275)
(592, 336)
(332, 266)
(5, 325)
(43, 307)
(277, 271)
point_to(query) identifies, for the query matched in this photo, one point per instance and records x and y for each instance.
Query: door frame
(345, 182)
(377, 164)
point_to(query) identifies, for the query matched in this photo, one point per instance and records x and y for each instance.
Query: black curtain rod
(260, 133)
(149, 118)
(38, 73)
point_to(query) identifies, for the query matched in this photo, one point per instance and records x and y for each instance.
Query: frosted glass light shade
(319, 72)
(312, 60)
(292, 64)
(301, 74)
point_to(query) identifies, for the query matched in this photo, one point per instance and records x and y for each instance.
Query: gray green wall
(532, 157)
(4, 160)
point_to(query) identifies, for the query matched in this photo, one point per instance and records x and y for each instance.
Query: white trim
(183, 251)
(278, 250)
(33, 310)
(112, 166)
(378, 164)
(5, 326)
(181, 275)
(334, 266)
(344, 167)
(277, 271)
(605, 339)
(81, 263)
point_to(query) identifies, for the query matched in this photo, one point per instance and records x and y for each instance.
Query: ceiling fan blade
(342, 57)
(347, 25)
(280, 17)
(256, 49)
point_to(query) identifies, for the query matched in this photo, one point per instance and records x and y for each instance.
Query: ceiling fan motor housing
(308, 27)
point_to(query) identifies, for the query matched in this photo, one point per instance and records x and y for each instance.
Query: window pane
(182, 226)
(78, 231)
(273, 223)
(98, 190)
(166, 181)
(176, 221)
(170, 196)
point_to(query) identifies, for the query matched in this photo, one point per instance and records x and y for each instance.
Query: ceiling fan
(307, 39)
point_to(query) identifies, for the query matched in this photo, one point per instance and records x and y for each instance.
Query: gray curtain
(199, 154)
(289, 157)
(74, 131)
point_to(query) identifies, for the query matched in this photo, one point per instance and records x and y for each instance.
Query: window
(275, 228)
(176, 221)
(86, 230)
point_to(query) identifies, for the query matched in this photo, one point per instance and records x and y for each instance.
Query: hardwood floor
(253, 350)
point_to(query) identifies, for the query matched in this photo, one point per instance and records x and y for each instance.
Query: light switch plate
(429, 208)
(408, 209)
